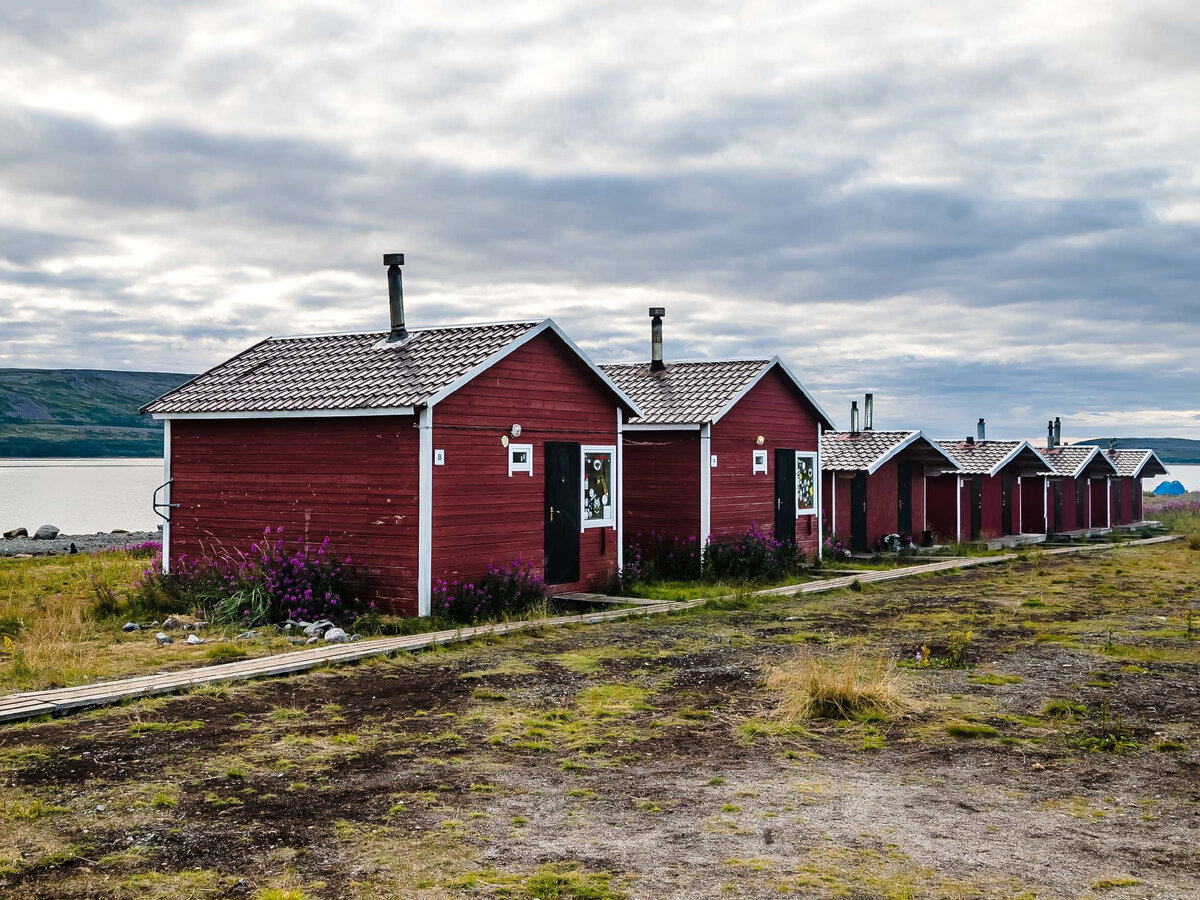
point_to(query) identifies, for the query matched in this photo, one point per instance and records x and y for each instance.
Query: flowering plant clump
(836, 548)
(274, 582)
(505, 591)
(755, 555)
(659, 556)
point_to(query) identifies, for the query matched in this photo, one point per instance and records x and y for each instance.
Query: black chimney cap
(658, 311)
(393, 259)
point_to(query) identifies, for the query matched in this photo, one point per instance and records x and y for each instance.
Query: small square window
(520, 459)
(760, 462)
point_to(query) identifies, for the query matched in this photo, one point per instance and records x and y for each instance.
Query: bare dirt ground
(647, 759)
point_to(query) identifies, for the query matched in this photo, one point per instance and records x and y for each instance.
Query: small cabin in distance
(720, 445)
(874, 482)
(984, 501)
(1126, 493)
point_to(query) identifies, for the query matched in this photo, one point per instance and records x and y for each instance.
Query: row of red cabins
(429, 454)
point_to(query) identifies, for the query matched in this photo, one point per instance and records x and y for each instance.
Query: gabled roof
(1073, 461)
(989, 457)
(1135, 463)
(695, 392)
(329, 373)
(846, 451)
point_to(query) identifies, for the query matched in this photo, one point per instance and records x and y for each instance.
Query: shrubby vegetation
(504, 592)
(753, 556)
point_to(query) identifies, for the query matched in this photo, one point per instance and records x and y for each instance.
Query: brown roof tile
(340, 371)
(684, 392)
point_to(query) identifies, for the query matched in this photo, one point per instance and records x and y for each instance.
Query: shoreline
(84, 543)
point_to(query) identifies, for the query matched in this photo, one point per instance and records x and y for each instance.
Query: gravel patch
(84, 543)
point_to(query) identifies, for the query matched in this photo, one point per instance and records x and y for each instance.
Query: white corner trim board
(166, 529)
(705, 484)
(425, 511)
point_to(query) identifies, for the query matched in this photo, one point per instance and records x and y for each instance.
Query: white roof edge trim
(290, 413)
(1152, 454)
(910, 438)
(1016, 451)
(770, 364)
(1038, 454)
(542, 327)
(666, 426)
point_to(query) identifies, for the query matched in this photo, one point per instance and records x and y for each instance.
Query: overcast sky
(971, 208)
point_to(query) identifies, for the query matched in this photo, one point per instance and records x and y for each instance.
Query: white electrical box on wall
(712, 461)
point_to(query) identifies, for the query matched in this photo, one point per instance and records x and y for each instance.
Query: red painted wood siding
(1033, 507)
(835, 500)
(1138, 497)
(1099, 497)
(919, 520)
(662, 483)
(480, 514)
(992, 520)
(1123, 487)
(882, 500)
(353, 480)
(774, 409)
(942, 498)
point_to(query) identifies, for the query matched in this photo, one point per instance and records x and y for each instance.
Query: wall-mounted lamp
(516, 431)
(760, 440)
(504, 440)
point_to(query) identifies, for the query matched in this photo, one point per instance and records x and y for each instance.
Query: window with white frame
(806, 484)
(520, 459)
(760, 462)
(597, 483)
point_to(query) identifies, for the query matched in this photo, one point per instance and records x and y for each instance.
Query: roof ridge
(377, 332)
(691, 362)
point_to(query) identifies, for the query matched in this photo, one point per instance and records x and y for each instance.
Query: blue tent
(1169, 489)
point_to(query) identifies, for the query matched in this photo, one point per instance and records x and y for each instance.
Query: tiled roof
(980, 457)
(846, 451)
(1128, 462)
(684, 393)
(1070, 461)
(340, 371)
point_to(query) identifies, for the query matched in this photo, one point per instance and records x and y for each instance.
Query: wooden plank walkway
(57, 701)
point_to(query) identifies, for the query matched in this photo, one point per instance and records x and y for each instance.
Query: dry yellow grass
(847, 688)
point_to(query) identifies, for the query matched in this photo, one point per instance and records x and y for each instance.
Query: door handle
(552, 514)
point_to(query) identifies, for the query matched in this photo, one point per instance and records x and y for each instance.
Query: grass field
(1024, 730)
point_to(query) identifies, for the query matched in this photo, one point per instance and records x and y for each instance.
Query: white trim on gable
(772, 363)
(516, 344)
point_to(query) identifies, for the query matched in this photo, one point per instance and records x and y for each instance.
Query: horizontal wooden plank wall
(60, 700)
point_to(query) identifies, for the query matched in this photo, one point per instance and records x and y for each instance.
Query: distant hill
(1182, 451)
(80, 412)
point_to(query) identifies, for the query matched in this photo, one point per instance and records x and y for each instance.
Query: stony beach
(84, 543)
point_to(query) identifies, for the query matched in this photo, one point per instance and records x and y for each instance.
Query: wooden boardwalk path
(57, 701)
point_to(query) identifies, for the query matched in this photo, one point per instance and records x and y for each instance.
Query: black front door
(1082, 486)
(1058, 506)
(785, 495)
(1007, 481)
(1116, 488)
(904, 498)
(858, 512)
(563, 501)
(976, 507)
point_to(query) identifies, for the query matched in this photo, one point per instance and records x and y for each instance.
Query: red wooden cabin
(423, 454)
(1077, 493)
(1125, 488)
(719, 445)
(985, 500)
(874, 483)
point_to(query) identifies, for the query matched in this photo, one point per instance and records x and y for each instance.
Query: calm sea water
(80, 496)
(1188, 476)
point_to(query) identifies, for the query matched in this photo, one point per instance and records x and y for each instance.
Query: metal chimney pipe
(399, 334)
(854, 417)
(869, 412)
(1057, 431)
(1049, 434)
(980, 430)
(656, 354)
